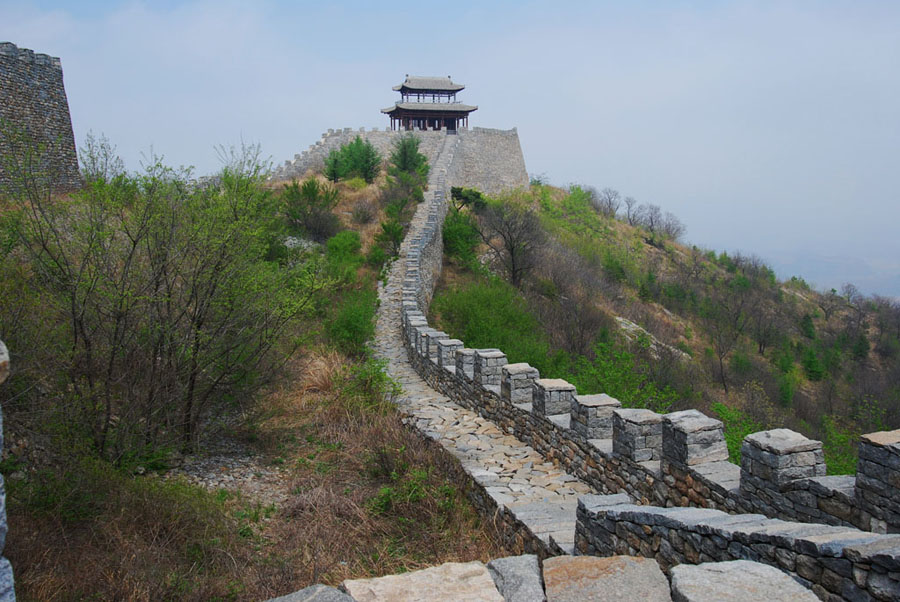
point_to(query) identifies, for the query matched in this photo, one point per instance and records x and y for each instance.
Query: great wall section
(601, 502)
(575, 482)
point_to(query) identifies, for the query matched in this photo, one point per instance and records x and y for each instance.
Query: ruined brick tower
(33, 103)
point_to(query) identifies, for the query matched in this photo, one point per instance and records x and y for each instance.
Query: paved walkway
(539, 493)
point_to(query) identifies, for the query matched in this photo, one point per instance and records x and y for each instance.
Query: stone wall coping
(449, 342)
(598, 400)
(519, 368)
(638, 415)
(884, 438)
(692, 421)
(782, 441)
(554, 384)
(490, 353)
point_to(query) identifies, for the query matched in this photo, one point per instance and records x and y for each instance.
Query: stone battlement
(825, 531)
(30, 57)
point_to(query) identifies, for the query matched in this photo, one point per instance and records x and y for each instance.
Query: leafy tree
(807, 327)
(168, 301)
(467, 197)
(308, 208)
(406, 158)
(390, 237)
(355, 159)
(460, 236)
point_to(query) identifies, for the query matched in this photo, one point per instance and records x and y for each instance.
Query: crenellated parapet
(676, 459)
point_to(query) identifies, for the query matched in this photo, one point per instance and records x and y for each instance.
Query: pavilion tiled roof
(441, 84)
(457, 107)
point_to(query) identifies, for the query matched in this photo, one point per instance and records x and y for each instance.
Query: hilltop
(606, 287)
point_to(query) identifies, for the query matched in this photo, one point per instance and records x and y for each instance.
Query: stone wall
(487, 159)
(33, 102)
(837, 563)
(677, 459)
(6, 576)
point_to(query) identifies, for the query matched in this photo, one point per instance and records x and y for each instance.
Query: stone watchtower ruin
(429, 103)
(34, 112)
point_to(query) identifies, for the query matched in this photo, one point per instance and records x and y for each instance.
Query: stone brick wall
(677, 459)
(33, 101)
(6, 576)
(837, 563)
(487, 159)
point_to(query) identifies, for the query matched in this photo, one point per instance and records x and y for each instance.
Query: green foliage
(467, 197)
(618, 373)
(356, 183)
(406, 158)
(812, 365)
(860, 349)
(839, 444)
(494, 314)
(163, 302)
(740, 363)
(353, 323)
(737, 426)
(358, 159)
(807, 327)
(376, 257)
(308, 208)
(390, 237)
(344, 246)
(460, 237)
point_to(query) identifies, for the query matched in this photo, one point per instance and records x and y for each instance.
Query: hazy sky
(768, 128)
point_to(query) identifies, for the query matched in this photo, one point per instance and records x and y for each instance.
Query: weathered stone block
(735, 580)
(487, 368)
(592, 415)
(517, 381)
(431, 344)
(690, 437)
(446, 352)
(780, 456)
(449, 581)
(552, 396)
(518, 578)
(465, 363)
(637, 434)
(577, 578)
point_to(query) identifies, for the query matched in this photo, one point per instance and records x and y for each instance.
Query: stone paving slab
(470, 581)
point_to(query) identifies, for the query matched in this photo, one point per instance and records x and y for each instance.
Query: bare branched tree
(514, 234)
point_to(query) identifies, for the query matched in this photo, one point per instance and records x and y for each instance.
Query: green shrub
(405, 157)
(460, 237)
(356, 160)
(308, 208)
(737, 426)
(617, 372)
(376, 257)
(356, 183)
(343, 246)
(390, 237)
(812, 365)
(840, 446)
(493, 314)
(353, 323)
(807, 327)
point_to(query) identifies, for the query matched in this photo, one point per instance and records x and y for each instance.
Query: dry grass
(368, 497)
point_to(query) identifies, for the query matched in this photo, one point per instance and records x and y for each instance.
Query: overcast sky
(768, 128)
